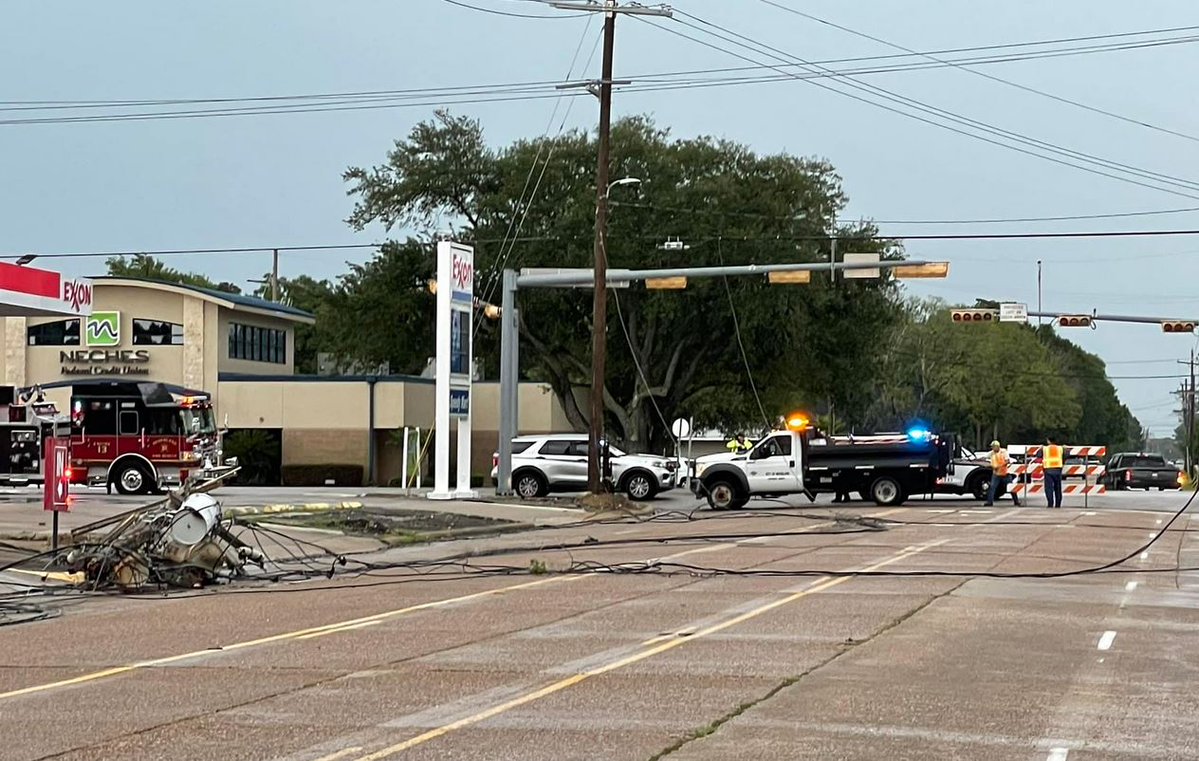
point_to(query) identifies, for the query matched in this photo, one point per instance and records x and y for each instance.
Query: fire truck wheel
(132, 478)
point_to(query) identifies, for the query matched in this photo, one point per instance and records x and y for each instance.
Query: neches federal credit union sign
(102, 337)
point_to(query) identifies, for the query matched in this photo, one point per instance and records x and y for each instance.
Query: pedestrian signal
(1177, 326)
(975, 315)
(1074, 321)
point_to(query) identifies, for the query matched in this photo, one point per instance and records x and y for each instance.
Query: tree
(313, 296)
(688, 352)
(149, 268)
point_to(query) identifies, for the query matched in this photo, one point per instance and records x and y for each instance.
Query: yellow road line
(648, 652)
(354, 627)
(294, 635)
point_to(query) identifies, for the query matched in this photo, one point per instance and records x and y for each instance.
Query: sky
(271, 180)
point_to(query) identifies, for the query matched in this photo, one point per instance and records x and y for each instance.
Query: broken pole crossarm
(585, 276)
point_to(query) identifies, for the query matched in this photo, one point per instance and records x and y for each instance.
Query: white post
(455, 331)
(441, 405)
(404, 462)
(420, 460)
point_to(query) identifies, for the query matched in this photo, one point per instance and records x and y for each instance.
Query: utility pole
(1187, 392)
(275, 275)
(1038, 292)
(599, 311)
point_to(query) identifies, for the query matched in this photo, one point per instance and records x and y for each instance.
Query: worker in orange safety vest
(1052, 460)
(1000, 465)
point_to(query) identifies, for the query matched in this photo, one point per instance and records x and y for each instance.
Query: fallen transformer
(182, 541)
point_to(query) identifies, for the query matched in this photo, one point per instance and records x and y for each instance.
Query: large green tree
(689, 352)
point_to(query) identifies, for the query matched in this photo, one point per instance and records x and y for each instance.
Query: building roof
(229, 300)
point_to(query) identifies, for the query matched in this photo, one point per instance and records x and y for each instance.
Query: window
(257, 344)
(556, 447)
(94, 417)
(1143, 461)
(129, 423)
(775, 446)
(520, 446)
(157, 333)
(58, 333)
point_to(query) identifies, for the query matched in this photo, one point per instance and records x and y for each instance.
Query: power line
(486, 93)
(461, 4)
(993, 78)
(937, 117)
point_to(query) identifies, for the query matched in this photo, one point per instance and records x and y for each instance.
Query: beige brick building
(241, 351)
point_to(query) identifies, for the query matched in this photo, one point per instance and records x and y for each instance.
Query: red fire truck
(26, 421)
(139, 437)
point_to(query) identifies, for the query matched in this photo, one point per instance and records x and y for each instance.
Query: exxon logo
(77, 294)
(462, 274)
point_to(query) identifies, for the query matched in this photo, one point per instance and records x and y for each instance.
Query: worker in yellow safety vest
(1001, 464)
(739, 444)
(1052, 460)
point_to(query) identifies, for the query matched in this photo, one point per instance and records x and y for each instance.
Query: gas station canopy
(31, 292)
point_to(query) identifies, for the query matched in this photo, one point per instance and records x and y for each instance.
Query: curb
(311, 507)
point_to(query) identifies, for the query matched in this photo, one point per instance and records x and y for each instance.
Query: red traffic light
(974, 315)
(1074, 321)
(1177, 326)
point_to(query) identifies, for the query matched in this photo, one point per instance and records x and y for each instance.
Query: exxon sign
(77, 293)
(462, 273)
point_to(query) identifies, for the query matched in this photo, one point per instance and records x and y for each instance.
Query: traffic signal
(1074, 321)
(1177, 326)
(975, 315)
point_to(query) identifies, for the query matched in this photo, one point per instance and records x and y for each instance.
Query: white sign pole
(441, 404)
(455, 357)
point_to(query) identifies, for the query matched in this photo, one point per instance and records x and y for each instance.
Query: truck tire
(886, 491)
(529, 484)
(723, 494)
(978, 487)
(639, 485)
(132, 477)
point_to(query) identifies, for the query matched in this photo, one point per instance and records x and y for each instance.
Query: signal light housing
(1075, 321)
(1177, 326)
(974, 315)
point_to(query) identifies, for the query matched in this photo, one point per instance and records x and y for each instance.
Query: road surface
(639, 653)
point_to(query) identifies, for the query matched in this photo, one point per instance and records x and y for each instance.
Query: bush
(322, 475)
(258, 453)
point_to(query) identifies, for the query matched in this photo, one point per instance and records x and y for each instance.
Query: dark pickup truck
(1137, 470)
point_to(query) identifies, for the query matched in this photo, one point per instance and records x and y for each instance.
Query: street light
(621, 181)
(25, 259)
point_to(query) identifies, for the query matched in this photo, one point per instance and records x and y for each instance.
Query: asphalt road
(812, 644)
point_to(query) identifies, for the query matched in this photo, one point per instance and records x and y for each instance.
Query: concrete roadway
(644, 666)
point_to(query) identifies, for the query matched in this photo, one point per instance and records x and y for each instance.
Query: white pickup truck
(886, 468)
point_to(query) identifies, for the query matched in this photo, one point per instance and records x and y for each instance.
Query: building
(241, 351)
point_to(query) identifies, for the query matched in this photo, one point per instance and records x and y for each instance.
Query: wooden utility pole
(275, 276)
(599, 310)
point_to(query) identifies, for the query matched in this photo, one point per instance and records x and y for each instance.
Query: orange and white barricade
(1034, 468)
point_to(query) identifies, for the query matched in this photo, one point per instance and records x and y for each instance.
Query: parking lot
(786, 630)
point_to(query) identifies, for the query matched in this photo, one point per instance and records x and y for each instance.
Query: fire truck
(26, 421)
(140, 438)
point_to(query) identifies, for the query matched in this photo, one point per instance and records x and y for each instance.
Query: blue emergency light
(918, 434)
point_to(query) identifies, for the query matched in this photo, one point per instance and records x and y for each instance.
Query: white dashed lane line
(1105, 642)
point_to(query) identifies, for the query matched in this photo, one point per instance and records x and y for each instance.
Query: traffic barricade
(1030, 474)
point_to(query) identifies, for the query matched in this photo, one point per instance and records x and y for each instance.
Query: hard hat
(995, 443)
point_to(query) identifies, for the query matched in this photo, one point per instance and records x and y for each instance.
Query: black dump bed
(933, 452)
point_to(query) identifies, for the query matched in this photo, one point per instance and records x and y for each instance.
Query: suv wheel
(639, 485)
(529, 484)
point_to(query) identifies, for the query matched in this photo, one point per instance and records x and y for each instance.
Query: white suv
(558, 462)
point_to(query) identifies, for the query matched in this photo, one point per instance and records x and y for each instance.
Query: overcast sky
(274, 180)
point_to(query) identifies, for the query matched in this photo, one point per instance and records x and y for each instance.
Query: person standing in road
(739, 444)
(1052, 461)
(1000, 465)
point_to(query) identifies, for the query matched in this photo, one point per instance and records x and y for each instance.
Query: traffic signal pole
(512, 281)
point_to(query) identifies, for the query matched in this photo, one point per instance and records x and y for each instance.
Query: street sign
(1013, 312)
(57, 475)
(862, 273)
(680, 428)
